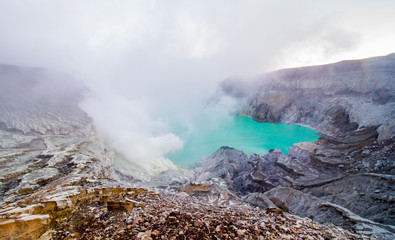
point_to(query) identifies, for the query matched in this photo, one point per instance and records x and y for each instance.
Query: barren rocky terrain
(346, 177)
(59, 181)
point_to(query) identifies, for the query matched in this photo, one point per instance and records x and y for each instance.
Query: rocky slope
(58, 179)
(335, 99)
(45, 138)
(48, 148)
(346, 177)
(360, 201)
(180, 216)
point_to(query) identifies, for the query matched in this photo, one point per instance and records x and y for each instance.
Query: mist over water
(150, 65)
(238, 132)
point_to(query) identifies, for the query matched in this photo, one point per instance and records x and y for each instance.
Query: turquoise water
(242, 133)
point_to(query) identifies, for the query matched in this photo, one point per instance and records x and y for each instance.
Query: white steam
(150, 64)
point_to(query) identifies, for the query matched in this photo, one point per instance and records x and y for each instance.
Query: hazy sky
(147, 60)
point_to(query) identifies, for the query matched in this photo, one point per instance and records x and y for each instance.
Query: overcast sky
(145, 60)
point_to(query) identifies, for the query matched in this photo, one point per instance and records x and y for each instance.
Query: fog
(150, 65)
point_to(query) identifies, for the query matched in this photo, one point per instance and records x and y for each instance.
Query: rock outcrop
(334, 99)
(32, 217)
(328, 191)
(180, 216)
(57, 179)
(346, 177)
(49, 151)
(46, 140)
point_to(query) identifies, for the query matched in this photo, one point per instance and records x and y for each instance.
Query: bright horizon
(268, 36)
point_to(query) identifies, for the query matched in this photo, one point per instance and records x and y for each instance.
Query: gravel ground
(180, 216)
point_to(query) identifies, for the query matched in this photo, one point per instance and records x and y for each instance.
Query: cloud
(150, 64)
(128, 129)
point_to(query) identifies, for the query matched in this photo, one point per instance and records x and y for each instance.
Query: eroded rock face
(227, 165)
(46, 140)
(334, 99)
(181, 216)
(30, 218)
(333, 189)
(39, 102)
(49, 151)
(50, 157)
(259, 200)
(350, 169)
(386, 130)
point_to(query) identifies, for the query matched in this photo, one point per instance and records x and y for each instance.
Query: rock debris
(180, 216)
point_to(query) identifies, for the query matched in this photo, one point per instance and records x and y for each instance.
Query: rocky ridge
(181, 216)
(278, 181)
(48, 148)
(335, 99)
(352, 105)
(56, 174)
(58, 180)
(45, 137)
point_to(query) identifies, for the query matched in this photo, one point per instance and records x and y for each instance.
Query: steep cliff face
(38, 102)
(50, 156)
(57, 180)
(46, 140)
(346, 177)
(354, 191)
(334, 99)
